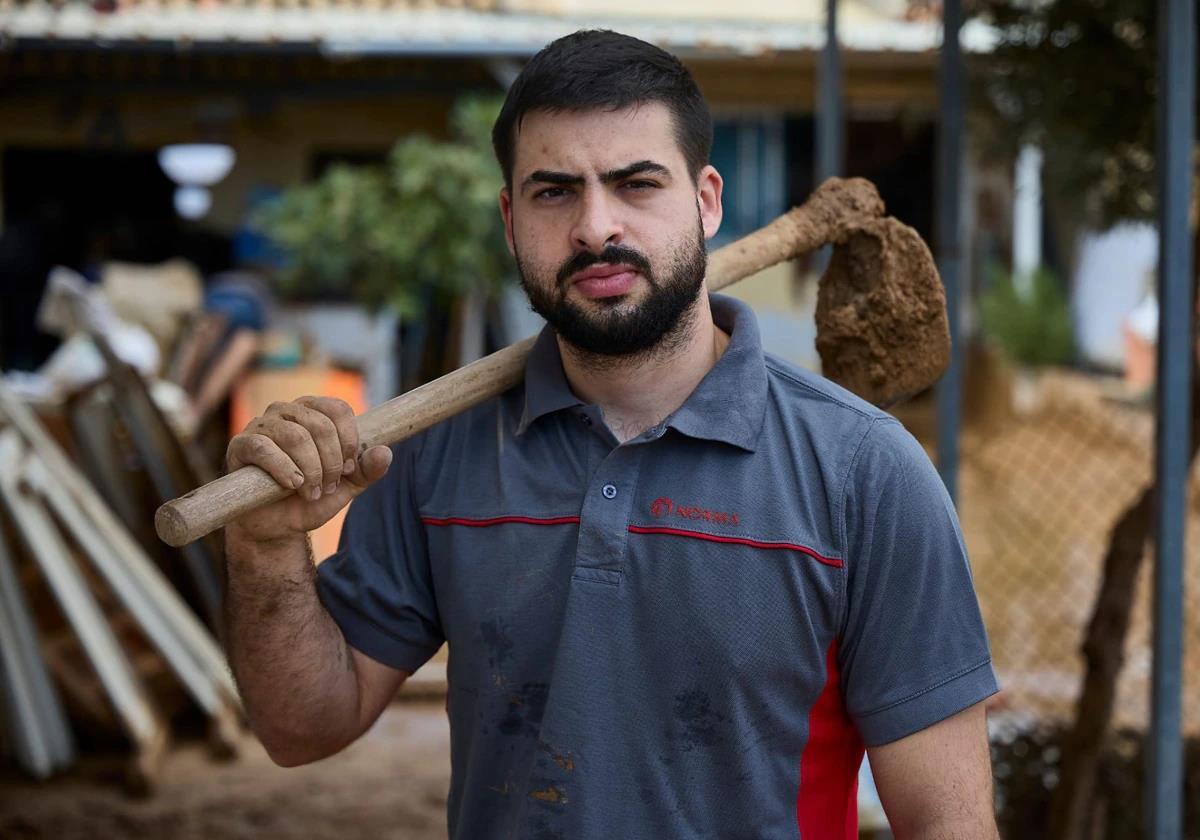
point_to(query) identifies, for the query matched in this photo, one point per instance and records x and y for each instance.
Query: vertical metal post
(949, 233)
(829, 101)
(830, 118)
(1176, 136)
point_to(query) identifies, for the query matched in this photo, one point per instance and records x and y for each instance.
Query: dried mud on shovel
(882, 330)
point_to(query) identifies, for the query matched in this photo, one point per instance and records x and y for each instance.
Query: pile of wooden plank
(62, 523)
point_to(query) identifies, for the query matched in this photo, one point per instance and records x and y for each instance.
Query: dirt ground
(390, 784)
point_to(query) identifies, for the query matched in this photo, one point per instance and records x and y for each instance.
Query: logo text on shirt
(665, 507)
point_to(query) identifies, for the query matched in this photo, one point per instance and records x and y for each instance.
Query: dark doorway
(897, 155)
(91, 186)
(79, 208)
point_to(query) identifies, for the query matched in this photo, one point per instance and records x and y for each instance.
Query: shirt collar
(728, 405)
(546, 387)
(730, 402)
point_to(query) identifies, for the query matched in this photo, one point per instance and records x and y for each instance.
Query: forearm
(963, 829)
(966, 827)
(936, 784)
(292, 665)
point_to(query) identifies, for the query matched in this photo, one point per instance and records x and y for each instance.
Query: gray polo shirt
(692, 634)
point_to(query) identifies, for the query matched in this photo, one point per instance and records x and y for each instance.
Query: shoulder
(815, 393)
(462, 438)
(837, 422)
(867, 446)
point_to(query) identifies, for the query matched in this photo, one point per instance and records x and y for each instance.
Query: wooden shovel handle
(801, 230)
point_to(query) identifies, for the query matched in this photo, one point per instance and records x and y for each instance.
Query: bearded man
(684, 584)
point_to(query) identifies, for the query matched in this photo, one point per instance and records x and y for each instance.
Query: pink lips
(601, 281)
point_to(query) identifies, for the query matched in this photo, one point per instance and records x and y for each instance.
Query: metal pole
(830, 119)
(1176, 136)
(949, 233)
(829, 101)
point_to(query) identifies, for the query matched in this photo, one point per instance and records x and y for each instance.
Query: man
(682, 582)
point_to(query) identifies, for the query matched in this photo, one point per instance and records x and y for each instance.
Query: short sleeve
(378, 586)
(913, 649)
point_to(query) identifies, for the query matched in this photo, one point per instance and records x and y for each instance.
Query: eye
(640, 185)
(549, 193)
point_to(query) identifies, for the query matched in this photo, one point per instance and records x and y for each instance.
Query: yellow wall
(276, 147)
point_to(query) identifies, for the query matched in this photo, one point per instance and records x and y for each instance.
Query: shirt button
(609, 491)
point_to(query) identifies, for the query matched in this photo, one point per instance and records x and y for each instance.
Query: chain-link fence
(1048, 465)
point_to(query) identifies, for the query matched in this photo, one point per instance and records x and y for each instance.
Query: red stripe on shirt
(827, 802)
(500, 520)
(679, 532)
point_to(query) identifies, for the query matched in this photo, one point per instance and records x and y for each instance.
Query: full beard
(623, 333)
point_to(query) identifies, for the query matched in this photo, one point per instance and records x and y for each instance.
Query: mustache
(612, 255)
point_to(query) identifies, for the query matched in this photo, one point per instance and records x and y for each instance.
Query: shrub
(1031, 328)
(380, 235)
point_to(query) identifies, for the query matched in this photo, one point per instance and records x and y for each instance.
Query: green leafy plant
(380, 235)
(1030, 322)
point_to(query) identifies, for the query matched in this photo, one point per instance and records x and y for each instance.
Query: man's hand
(936, 784)
(309, 445)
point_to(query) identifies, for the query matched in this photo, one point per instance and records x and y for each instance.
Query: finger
(371, 466)
(342, 415)
(324, 435)
(298, 444)
(261, 451)
(375, 462)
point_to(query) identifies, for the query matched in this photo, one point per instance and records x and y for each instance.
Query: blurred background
(210, 205)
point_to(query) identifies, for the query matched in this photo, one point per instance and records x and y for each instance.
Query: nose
(595, 225)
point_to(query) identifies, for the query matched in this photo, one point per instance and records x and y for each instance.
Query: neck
(640, 391)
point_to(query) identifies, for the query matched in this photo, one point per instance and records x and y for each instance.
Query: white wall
(1114, 270)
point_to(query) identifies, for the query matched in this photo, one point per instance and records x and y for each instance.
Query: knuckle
(259, 446)
(311, 403)
(290, 435)
(322, 422)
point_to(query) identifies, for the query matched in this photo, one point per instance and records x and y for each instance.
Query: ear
(708, 198)
(506, 214)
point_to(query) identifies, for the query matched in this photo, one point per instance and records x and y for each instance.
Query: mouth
(603, 281)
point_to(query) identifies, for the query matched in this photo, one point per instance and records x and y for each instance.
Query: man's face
(607, 226)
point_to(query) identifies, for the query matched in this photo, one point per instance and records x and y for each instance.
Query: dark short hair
(597, 68)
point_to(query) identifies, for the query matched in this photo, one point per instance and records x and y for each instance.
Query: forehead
(595, 140)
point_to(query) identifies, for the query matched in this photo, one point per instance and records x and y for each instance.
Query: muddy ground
(390, 784)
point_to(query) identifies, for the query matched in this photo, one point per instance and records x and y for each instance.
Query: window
(748, 151)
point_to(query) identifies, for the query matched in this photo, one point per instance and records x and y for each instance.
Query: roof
(416, 27)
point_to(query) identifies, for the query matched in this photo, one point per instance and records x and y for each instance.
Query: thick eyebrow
(545, 176)
(642, 167)
(566, 179)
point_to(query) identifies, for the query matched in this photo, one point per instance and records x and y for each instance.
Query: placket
(607, 502)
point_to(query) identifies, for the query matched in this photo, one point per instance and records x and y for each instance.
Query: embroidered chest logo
(665, 508)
